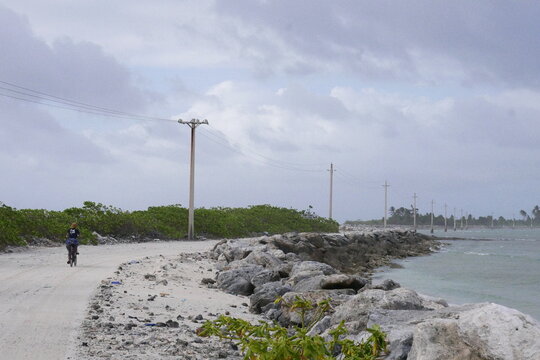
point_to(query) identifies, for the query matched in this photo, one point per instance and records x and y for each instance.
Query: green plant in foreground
(270, 341)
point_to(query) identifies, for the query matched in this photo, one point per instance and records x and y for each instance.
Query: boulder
(342, 281)
(336, 298)
(476, 332)
(266, 294)
(359, 306)
(386, 285)
(264, 277)
(237, 281)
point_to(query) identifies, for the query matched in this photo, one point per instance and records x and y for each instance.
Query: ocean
(492, 265)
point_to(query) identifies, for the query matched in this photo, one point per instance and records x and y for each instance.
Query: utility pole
(331, 188)
(466, 221)
(385, 202)
(454, 215)
(414, 211)
(432, 202)
(445, 219)
(461, 220)
(492, 220)
(191, 214)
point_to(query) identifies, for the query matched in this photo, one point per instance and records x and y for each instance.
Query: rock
(386, 285)
(238, 281)
(307, 283)
(207, 281)
(150, 277)
(172, 324)
(359, 306)
(264, 277)
(266, 294)
(320, 326)
(336, 297)
(305, 268)
(342, 281)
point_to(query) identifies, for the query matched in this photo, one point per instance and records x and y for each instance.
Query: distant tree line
(164, 222)
(404, 216)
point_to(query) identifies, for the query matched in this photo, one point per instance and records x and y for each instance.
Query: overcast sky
(438, 98)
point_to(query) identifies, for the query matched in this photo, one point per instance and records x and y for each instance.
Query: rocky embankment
(317, 267)
(152, 307)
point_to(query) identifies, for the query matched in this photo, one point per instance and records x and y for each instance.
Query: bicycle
(72, 248)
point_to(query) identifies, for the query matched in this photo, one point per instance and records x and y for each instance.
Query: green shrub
(164, 222)
(267, 341)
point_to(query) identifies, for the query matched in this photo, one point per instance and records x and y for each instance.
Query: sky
(441, 99)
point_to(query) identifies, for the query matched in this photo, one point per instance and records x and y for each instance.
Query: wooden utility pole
(191, 213)
(414, 211)
(445, 218)
(331, 189)
(385, 202)
(432, 202)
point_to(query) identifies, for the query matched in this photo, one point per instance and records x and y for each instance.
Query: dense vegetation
(404, 216)
(270, 341)
(164, 222)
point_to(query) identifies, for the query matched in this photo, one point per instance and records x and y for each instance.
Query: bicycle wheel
(72, 256)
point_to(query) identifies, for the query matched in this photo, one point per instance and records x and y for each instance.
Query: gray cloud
(484, 41)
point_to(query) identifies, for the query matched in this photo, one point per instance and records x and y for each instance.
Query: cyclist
(72, 241)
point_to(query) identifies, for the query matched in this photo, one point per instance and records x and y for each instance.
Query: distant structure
(414, 212)
(331, 189)
(445, 218)
(454, 215)
(385, 201)
(432, 202)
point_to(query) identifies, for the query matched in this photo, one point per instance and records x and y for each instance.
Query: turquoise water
(500, 266)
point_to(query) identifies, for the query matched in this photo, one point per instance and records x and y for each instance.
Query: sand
(45, 302)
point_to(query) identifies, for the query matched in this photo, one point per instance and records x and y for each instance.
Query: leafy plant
(165, 222)
(270, 341)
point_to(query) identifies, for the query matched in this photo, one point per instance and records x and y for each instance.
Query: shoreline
(238, 264)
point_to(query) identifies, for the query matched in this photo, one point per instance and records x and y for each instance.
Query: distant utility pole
(461, 220)
(191, 217)
(414, 211)
(445, 218)
(385, 202)
(454, 215)
(331, 188)
(466, 221)
(492, 220)
(432, 202)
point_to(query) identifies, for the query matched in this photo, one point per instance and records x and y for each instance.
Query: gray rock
(342, 281)
(439, 339)
(386, 285)
(238, 281)
(266, 294)
(359, 307)
(264, 277)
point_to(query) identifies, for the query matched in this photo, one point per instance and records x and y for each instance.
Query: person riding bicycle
(72, 241)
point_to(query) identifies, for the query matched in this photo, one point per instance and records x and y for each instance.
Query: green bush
(164, 222)
(267, 341)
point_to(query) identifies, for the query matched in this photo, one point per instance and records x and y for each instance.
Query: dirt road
(43, 300)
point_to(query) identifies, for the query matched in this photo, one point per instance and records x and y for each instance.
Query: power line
(67, 104)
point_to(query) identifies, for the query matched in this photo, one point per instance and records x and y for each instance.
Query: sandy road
(43, 300)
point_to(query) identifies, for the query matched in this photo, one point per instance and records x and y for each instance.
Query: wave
(477, 253)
